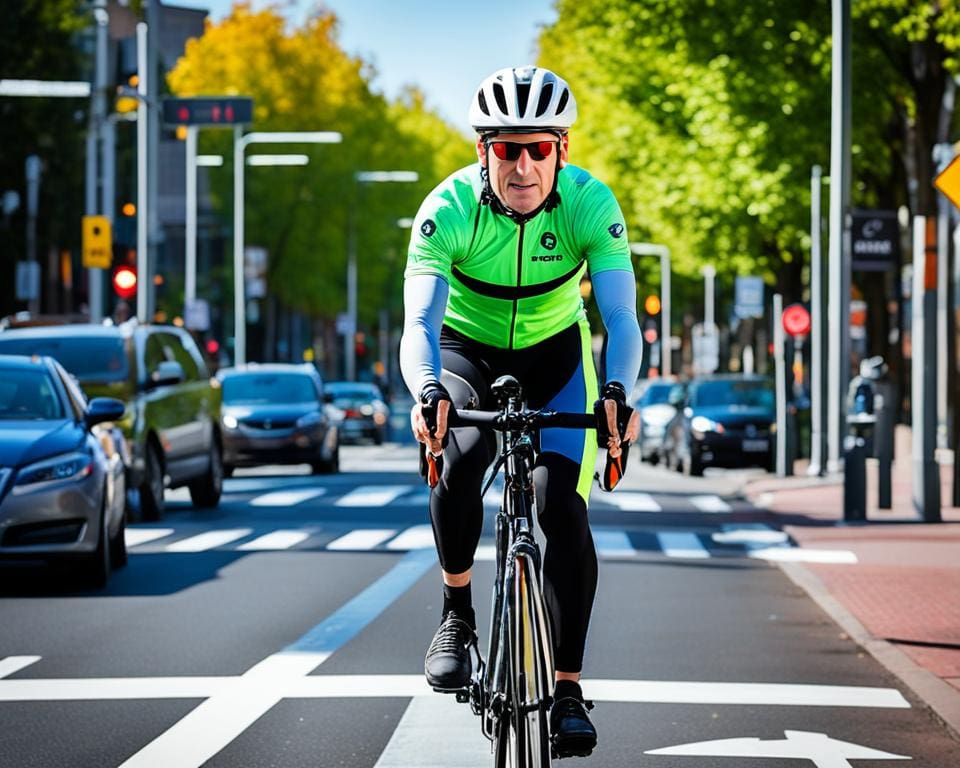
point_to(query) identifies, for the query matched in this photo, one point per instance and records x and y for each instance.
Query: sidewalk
(901, 599)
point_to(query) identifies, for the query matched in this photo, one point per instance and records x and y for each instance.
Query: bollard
(854, 479)
(883, 445)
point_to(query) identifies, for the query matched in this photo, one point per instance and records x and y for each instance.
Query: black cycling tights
(456, 508)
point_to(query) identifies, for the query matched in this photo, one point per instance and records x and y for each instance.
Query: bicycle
(513, 693)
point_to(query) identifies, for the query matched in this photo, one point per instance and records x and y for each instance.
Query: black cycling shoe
(573, 733)
(447, 665)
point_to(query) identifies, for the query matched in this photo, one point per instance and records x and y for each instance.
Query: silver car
(656, 411)
(62, 487)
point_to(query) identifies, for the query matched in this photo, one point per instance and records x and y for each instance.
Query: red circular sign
(796, 320)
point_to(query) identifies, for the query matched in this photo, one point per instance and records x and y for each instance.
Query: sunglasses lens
(510, 150)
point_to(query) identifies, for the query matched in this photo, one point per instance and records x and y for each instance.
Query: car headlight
(379, 418)
(773, 427)
(67, 466)
(230, 422)
(309, 419)
(700, 425)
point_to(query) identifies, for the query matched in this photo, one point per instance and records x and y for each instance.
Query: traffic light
(124, 281)
(214, 110)
(651, 336)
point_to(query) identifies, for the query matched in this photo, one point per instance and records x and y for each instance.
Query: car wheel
(96, 569)
(205, 492)
(654, 459)
(118, 544)
(151, 490)
(693, 466)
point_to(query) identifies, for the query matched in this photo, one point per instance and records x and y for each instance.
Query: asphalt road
(287, 628)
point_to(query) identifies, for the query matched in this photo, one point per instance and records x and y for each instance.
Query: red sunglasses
(510, 150)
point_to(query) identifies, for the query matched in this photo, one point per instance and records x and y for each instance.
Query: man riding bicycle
(492, 287)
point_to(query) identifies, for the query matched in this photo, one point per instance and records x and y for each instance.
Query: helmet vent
(501, 98)
(545, 95)
(482, 102)
(563, 100)
(523, 95)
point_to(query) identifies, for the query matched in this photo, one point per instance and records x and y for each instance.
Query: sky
(445, 47)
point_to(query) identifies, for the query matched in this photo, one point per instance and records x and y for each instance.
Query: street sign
(948, 181)
(196, 315)
(208, 110)
(706, 348)
(748, 297)
(796, 320)
(97, 242)
(28, 281)
(875, 240)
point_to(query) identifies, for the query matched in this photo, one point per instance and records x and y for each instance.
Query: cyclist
(492, 287)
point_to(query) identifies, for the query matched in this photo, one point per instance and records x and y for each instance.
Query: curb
(936, 694)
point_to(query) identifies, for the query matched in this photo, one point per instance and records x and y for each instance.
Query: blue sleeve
(616, 295)
(424, 304)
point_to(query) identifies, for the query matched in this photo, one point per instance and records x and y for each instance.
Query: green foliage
(300, 79)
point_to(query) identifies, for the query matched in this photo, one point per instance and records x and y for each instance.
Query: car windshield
(655, 394)
(749, 394)
(88, 358)
(353, 392)
(28, 395)
(261, 388)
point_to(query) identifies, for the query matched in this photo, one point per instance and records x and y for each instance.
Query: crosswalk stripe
(137, 536)
(276, 540)
(632, 501)
(415, 537)
(287, 498)
(680, 544)
(751, 535)
(208, 540)
(800, 555)
(414, 741)
(372, 495)
(362, 539)
(613, 544)
(710, 504)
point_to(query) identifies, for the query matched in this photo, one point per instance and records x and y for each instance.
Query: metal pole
(98, 129)
(33, 167)
(942, 155)
(709, 272)
(239, 302)
(142, 260)
(666, 348)
(926, 475)
(839, 283)
(350, 336)
(817, 327)
(780, 369)
(108, 207)
(155, 236)
(190, 268)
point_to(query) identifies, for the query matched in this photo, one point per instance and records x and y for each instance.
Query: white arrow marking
(822, 750)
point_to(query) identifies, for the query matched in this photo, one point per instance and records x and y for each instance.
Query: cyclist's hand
(428, 419)
(616, 421)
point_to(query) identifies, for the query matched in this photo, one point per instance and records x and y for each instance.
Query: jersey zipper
(516, 302)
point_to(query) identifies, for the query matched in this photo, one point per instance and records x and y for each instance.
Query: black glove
(432, 394)
(614, 469)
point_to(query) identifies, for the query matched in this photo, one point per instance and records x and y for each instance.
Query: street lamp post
(655, 249)
(361, 177)
(240, 144)
(194, 161)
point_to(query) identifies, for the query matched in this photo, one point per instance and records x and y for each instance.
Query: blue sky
(446, 47)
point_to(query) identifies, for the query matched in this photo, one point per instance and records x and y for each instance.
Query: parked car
(365, 413)
(172, 418)
(62, 478)
(722, 421)
(655, 412)
(275, 414)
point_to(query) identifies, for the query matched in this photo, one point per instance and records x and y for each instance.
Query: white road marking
(751, 535)
(801, 555)
(415, 537)
(286, 498)
(137, 536)
(712, 504)
(613, 544)
(276, 540)
(414, 741)
(681, 544)
(12, 664)
(362, 539)
(372, 495)
(632, 501)
(204, 541)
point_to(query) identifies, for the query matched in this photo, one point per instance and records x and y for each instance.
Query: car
(62, 476)
(365, 413)
(276, 414)
(655, 412)
(172, 418)
(724, 420)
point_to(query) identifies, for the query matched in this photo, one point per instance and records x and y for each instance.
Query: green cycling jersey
(514, 284)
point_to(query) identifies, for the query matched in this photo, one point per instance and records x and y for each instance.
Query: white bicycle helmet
(523, 99)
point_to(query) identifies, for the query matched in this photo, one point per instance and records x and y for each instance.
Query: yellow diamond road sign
(948, 182)
(97, 242)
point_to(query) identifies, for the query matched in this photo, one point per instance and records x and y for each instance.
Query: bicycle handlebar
(515, 421)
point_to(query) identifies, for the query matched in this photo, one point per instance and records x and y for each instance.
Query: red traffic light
(125, 281)
(796, 320)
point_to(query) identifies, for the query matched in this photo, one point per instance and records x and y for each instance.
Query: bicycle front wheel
(522, 737)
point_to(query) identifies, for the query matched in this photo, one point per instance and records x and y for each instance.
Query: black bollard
(883, 444)
(854, 479)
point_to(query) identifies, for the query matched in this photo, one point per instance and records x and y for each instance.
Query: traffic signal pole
(143, 274)
(190, 266)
